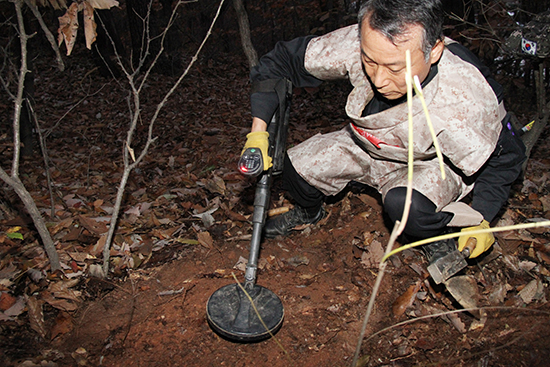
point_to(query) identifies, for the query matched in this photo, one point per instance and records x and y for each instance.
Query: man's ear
(437, 51)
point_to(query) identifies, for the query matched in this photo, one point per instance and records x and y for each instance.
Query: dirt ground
(151, 310)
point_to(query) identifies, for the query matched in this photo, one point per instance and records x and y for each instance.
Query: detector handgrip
(251, 162)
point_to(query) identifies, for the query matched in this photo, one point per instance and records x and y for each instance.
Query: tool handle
(470, 246)
(277, 128)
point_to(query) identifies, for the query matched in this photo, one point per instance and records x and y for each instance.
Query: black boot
(283, 224)
(436, 250)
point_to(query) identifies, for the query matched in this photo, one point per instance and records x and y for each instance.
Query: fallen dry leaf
(241, 264)
(97, 249)
(215, 185)
(345, 206)
(545, 200)
(93, 225)
(205, 239)
(406, 299)
(223, 273)
(65, 223)
(69, 294)
(479, 324)
(60, 304)
(498, 293)
(455, 320)
(236, 216)
(62, 285)
(80, 256)
(36, 316)
(80, 356)
(464, 290)
(17, 308)
(532, 291)
(63, 324)
(6, 301)
(543, 257)
(9, 272)
(298, 260)
(370, 201)
(371, 258)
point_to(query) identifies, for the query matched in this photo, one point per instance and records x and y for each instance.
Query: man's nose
(379, 77)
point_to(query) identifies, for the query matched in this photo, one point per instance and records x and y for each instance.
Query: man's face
(385, 63)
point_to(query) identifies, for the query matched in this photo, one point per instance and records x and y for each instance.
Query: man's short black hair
(393, 17)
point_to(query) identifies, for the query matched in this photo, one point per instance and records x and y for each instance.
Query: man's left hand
(484, 240)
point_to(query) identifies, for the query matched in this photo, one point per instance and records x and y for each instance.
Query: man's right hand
(483, 240)
(260, 140)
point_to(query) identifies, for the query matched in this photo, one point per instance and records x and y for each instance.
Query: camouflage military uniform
(373, 149)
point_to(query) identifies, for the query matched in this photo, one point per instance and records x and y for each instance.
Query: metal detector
(247, 312)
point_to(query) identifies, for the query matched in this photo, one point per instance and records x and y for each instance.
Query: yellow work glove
(260, 140)
(483, 240)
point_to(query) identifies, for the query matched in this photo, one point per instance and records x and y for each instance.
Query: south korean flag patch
(528, 47)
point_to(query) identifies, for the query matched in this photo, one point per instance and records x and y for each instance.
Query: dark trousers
(423, 220)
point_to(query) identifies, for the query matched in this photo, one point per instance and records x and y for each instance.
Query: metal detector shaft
(261, 201)
(277, 128)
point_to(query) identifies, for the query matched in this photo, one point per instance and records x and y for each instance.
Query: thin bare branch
(451, 312)
(163, 36)
(135, 116)
(49, 35)
(44, 150)
(18, 102)
(4, 82)
(49, 130)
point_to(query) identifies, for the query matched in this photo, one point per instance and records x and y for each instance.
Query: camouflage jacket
(463, 108)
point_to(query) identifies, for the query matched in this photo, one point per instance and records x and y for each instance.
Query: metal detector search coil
(231, 314)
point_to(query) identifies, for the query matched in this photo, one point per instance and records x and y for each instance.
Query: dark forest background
(473, 22)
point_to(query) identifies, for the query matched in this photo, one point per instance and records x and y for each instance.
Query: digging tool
(247, 312)
(450, 264)
(463, 288)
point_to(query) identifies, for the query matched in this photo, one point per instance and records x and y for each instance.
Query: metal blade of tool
(450, 264)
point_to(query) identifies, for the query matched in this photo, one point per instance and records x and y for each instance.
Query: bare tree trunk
(244, 27)
(37, 218)
(13, 179)
(26, 120)
(25, 128)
